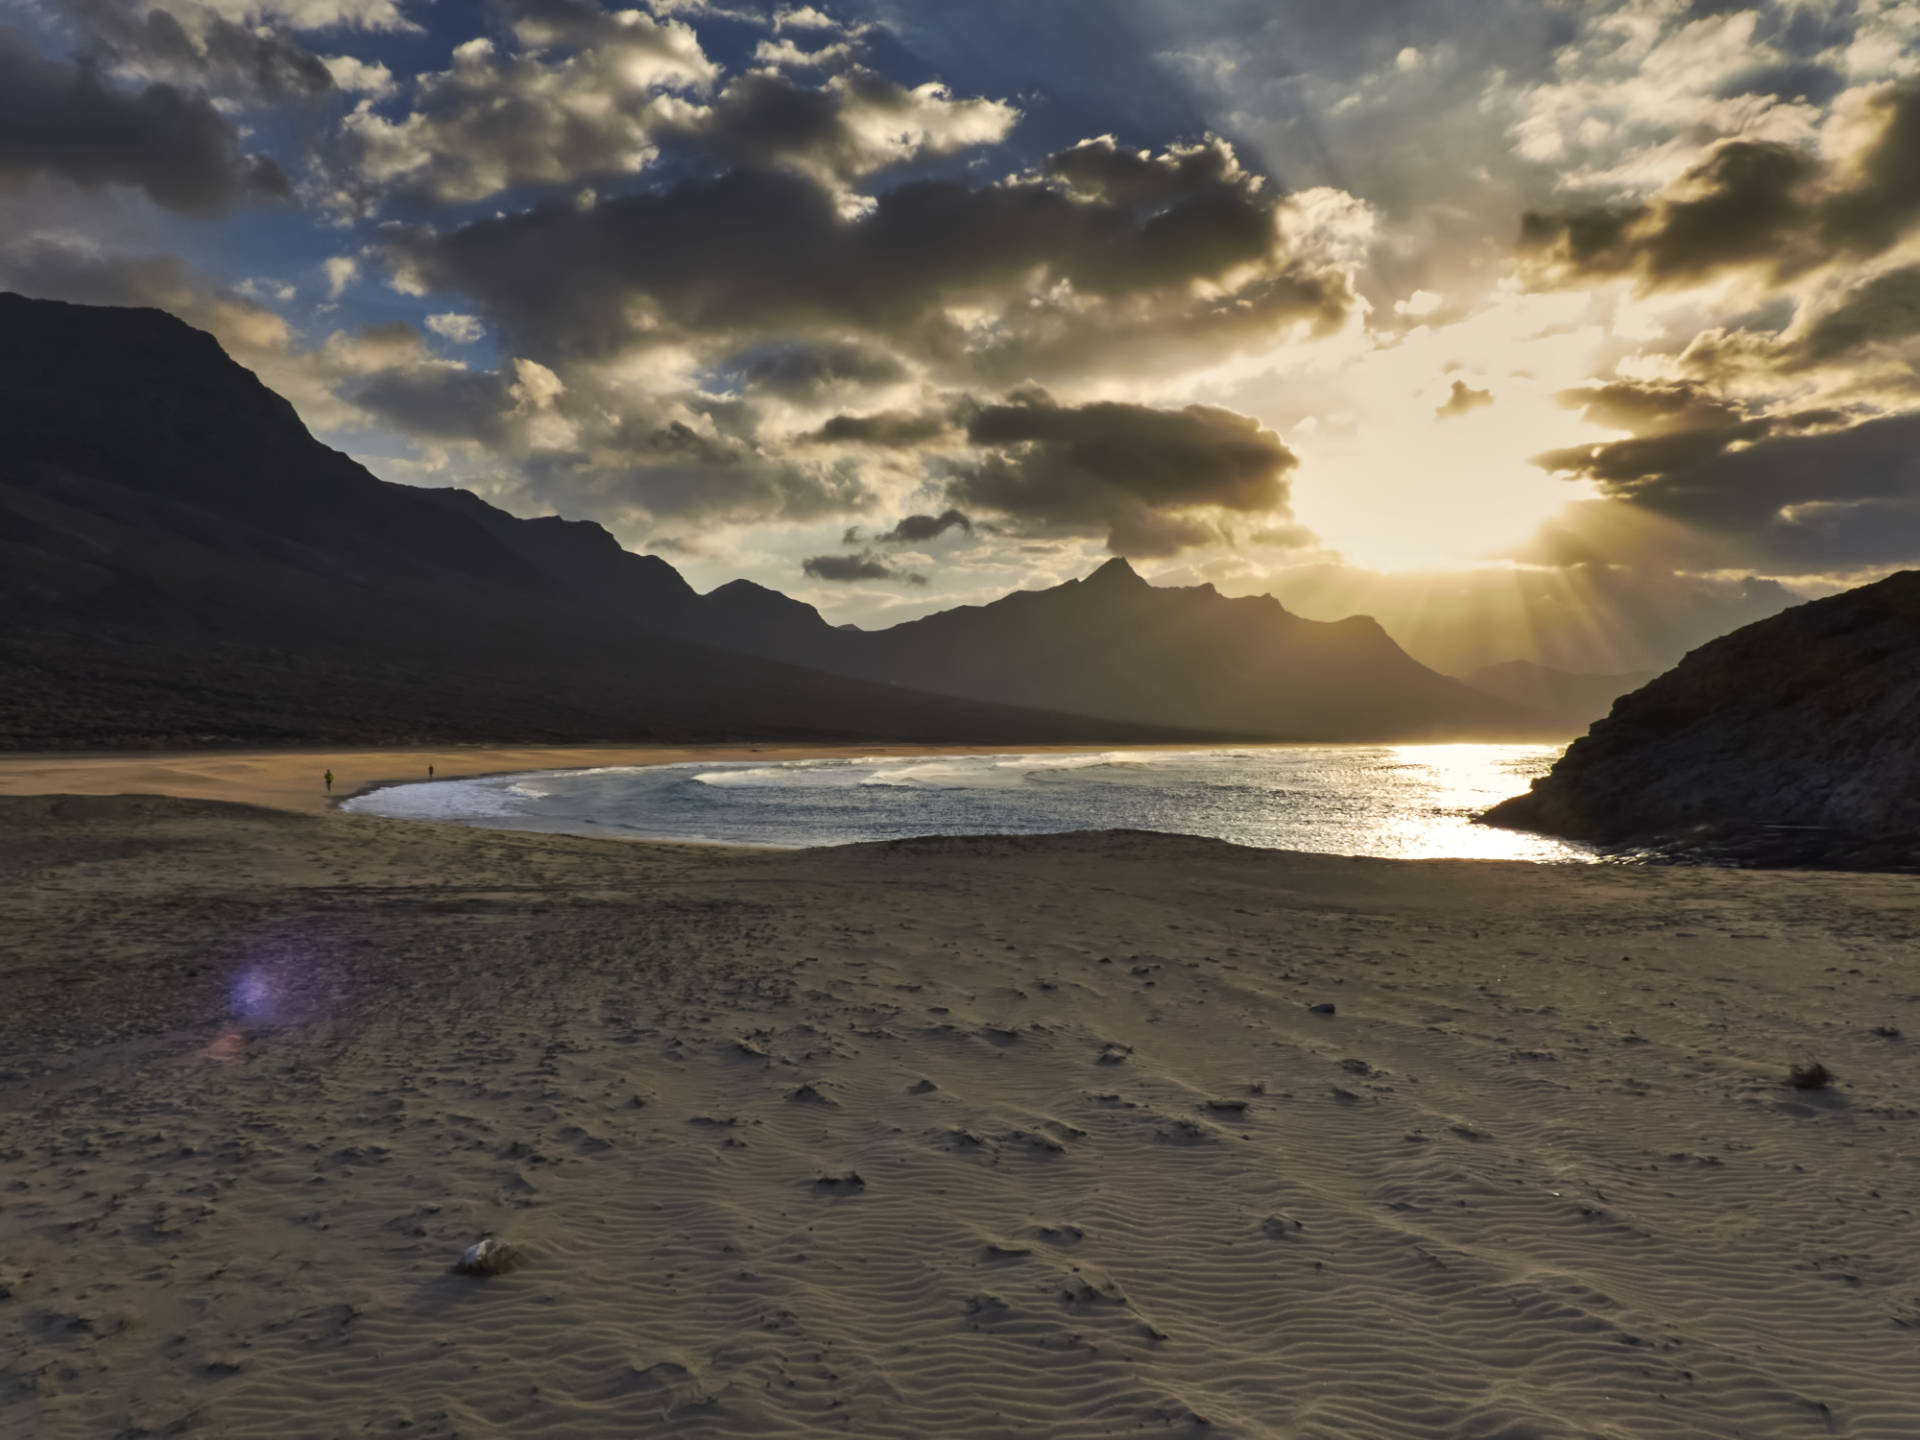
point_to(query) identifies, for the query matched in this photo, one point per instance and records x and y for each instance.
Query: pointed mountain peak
(1114, 574)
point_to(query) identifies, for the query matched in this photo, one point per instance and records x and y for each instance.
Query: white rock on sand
(824, 1142)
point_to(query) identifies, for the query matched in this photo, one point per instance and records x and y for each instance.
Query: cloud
(1462, 399)
(589, 94)
(360, 76)
(863, 566)
(435, 402)
(341, 271)
(856, 124)
(534, 117)
(65, 122)
(1642, 86)
(263, 289)
(1679, 426)
(193, 45)
(919, 529)
(806, 370)
(1809, 490)
(784, 54)
(1858, 341)
(1883, 310)
(460, 329)
(1103, 169)
(1153, 481)
(1756, 205)
(375, 15)
(803, 17)
(887, 429)
(1030, 276)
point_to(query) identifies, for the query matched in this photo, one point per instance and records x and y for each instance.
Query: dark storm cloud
(1815, 487)
(1141, 475)
(864, 566)
(919, 529)
(437, 403)
(857, 123)
(1103, 169)
(1462, 399)
(258, 63)
(1681, 428)
(64, 121)
(803, 370)
(1747, 204)
(755, 256)
(1882, 311)
(1649, 407)
(1876, 206)
(888, 429)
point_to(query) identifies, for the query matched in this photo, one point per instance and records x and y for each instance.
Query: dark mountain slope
(1171, 656)
(181, 562)
(1186, 657)
(1808, 719)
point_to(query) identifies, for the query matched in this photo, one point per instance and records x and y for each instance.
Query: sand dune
(970, 1138)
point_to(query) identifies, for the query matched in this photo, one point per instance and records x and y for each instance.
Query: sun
(1424, 493)
(1428, 457)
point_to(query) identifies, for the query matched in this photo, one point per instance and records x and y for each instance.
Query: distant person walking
(329, 782)
(429, 772)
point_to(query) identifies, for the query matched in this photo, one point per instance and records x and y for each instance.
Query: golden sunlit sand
(1106, 1134)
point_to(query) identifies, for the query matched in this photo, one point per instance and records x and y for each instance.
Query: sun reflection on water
(1395, 801)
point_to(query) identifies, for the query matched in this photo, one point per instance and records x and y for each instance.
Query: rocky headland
(1792, 741)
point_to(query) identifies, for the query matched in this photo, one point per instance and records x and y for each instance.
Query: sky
(1576, 331)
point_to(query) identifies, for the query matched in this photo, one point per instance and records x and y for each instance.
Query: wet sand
(994, 1137)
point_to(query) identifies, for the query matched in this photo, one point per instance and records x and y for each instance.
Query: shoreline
(290, 779)
(1280, 818)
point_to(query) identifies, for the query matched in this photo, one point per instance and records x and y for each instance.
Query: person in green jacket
(329, 782)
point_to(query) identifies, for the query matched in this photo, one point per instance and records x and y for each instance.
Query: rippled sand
(1032, 1137)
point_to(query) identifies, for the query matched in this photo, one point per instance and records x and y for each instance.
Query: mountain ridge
(182, 563)
(206, 521)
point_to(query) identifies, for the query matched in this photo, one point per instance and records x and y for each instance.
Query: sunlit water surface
(1406, 801)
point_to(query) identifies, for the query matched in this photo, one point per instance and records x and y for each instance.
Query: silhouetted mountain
(1569, 700)
(184, 561)
(180, 561)
(1184, 657)
(1805, 720)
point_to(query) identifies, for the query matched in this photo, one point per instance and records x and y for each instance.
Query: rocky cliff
(1793, 740)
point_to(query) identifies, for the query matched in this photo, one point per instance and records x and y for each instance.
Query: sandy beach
(1108, 1134)
(296, 779)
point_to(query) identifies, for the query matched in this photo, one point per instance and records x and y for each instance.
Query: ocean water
(1406, 801)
